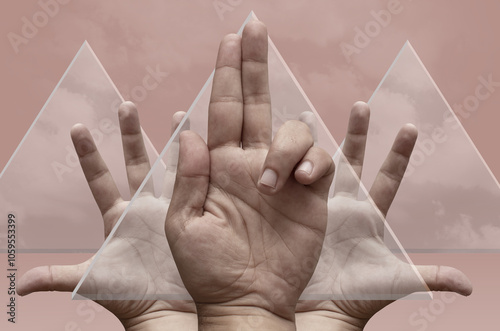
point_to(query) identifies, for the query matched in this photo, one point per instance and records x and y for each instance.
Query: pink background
(456, 40)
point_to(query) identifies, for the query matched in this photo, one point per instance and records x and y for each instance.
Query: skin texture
(247, 211)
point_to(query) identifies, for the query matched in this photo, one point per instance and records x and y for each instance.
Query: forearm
(217, 318)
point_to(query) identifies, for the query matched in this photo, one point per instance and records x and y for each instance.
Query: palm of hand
(250, 236)
(136, 266)
(356, 268)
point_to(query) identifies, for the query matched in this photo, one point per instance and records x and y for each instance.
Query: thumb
(62, 278)
(442, 278)
(191, 184)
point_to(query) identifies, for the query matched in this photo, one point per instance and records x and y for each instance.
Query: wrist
(214, 317)
(164, 320)
(328, 321)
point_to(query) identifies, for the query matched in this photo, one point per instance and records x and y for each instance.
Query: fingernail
(306, 166)
(269, 178)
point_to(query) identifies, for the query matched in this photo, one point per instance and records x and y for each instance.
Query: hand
(240, 225)
(138, 238)
(356, 268)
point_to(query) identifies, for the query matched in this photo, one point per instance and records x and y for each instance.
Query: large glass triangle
(449, 197)
(134, 262)
(43, 184)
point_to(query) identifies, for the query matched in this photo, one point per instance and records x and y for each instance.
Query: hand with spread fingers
(137, 259)
(247, 210)
(357, 275)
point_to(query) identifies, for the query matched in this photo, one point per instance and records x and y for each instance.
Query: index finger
(391, 173)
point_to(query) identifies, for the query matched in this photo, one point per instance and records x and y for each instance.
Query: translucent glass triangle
(43, 184)
(449, 197)
(152, 273)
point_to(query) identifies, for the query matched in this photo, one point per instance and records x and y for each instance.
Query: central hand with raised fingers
(248, 211)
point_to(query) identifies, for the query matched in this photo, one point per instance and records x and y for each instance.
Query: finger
(191, 184)
(291, 143)
(442, 278)
(353, 151)
(62, 278)
(391, 173)
(225, 112)
(173, 154)
(99, 179)
(257, 125)
(134, 150)
(355, 141)
(316, 169)
(309, 118)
